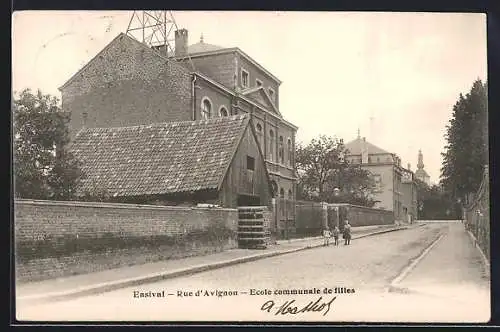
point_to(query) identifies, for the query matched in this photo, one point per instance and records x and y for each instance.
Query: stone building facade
(396, 189)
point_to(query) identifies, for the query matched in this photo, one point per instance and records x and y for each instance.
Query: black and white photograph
(250, 166)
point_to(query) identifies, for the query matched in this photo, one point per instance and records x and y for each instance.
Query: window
(271, 94)
(281, 151)
(290, 194)
(282, 193)
(206, 108)
(250, 163)
(223, 111)
(290, 152)
(244, 78)
(258, 82)
(271, 145)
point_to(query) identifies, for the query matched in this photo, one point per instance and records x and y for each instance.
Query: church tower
(421, 174)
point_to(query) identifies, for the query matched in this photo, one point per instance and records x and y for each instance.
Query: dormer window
(245, 78)
(258, 82)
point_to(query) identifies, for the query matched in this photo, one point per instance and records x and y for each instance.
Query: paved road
(366, 268)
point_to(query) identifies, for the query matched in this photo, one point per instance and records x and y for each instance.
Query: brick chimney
(181, 42)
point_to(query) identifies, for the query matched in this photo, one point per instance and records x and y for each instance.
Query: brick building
(129, 83)
(396, 185)
(216, 161)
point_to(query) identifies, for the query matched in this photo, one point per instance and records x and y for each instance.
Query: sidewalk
(92, 283)
(452, 270)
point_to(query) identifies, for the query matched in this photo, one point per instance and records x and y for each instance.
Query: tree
(43, 166)
(435, 203)
(321, 167)
(466, 151)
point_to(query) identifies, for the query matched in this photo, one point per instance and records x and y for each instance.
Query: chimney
(409, 166)
(181, 42)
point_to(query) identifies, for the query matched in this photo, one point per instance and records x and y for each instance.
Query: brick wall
(308, 221)
(128, 84)
(56, 239)
(219, 67)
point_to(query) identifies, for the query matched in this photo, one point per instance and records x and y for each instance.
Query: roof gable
(161, 158)
(114, 43)
(260, 95)
(356, 147)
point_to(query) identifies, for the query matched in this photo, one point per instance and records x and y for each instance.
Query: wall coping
(117, 205)
(360, 207)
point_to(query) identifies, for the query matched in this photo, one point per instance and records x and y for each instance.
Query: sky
(393, 76)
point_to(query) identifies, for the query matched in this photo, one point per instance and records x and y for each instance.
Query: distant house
(215, 161)
(396, 185)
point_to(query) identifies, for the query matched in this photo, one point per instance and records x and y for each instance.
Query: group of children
(327, 234)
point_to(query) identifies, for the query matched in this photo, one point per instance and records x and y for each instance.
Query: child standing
(336, 232)
(347, 233)
(326, 237)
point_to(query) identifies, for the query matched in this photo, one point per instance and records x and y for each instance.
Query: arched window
(281, 151)
(223, 111)
(290, 152)
(206, 108)
(271, 145)
(290, 194)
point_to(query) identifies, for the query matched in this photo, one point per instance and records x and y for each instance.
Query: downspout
(193, 97)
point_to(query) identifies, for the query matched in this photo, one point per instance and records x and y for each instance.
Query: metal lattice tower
(156, 29)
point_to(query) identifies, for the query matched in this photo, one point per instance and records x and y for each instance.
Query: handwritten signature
(289, 307)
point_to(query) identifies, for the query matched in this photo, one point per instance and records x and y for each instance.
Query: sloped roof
(421, 173)
(356, 146)
(203, 47)
(160, 158)
(260, 95)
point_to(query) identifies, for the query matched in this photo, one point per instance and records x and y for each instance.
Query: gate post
(324, 214)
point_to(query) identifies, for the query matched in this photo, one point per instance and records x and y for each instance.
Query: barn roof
(161, 158)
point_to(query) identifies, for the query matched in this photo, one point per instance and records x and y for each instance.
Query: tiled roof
(356, 146)
(161, 158)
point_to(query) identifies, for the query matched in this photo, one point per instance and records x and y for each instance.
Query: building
(396, 190)
(215, 161)
(409, 197)
(421, 174)
(129, 83)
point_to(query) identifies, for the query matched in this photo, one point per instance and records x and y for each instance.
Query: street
(344, 283)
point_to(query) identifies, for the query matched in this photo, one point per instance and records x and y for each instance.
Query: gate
(253, 227)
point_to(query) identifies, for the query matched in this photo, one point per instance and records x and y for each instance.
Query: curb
(485, 261)
(393, 286)
(124, 283)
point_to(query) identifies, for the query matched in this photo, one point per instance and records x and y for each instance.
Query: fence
(477, 215)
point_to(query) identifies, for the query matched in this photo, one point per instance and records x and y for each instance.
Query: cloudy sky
(395, 76)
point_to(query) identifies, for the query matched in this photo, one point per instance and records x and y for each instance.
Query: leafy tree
(435, 203)
(466, 151)
(322, 168)
(43, 166)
